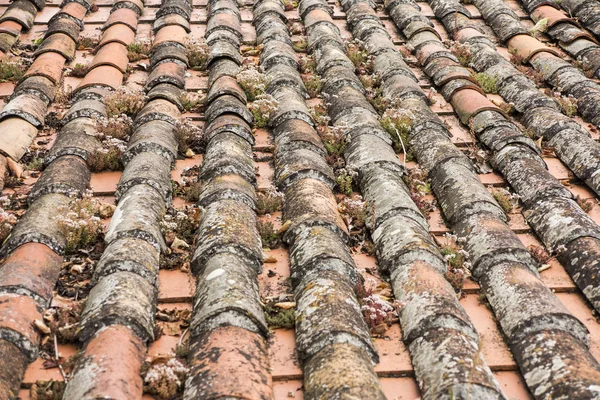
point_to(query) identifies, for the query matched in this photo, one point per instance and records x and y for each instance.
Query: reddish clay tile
(554, 16)
(75, 10)
(12, 367)
(229, 362)
(49, 65)
(467, 103)
(527, 46)
(558, 169)
(59, 43)
(264, 177)
(32, 266)
(18, 314)
(583, 192)
(105, 183)
(113, 54)
(137, 3)
(494, 349)
(7, 26)
(426, 51)
(118, 33)
(263, 140)
(467, 33)
(513, 385)
(124, 16)
(289, 389)
(273, 279)
(36, 371)
(17, 137)
(170, 33)
(284, 363)
(492, 179)
(555, 277)
(401, 388)
(116, 368)
(175, 286)
(394, 358)
(181, 165)
(103, 75)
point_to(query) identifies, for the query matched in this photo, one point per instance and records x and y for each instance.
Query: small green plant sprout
(419, 186)
(192, 102)
(379, 311)
(48, 390)
(81, 224)
(567, 103)
(124, 101)
(313, 84)
(370, 81)
(539, 27)
(397, 123)
(345, 180)
(268, 202)
(280, 314)
(262, 108)
(113, 133)
(253, 81)
(252, 51)
(118, 127)
(197, 54)
(357, 54)
(78, 71)
(290, 5)
(307, 64)
(353, 212)
(417, 181)
(507, 200)
(268, 235)
(462, 52)
(300, 44)
(456, 257)
(318, 112)
(488, 83)
(139, 50)
(189, 137)
(182, 225)
(11, 70)
(165, 379)
(36, 164)
(86, 42)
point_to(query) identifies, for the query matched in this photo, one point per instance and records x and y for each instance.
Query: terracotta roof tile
(407, 214)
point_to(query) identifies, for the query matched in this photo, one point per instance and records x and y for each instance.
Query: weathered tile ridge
(122, 304)
(504, 269)
(34, 249)
(549, 207)
(585, 11)
(228, 349)
(541, 114)
(24, 114)
(332, 338)
(435, 326)
(558, 73)
(18, 17)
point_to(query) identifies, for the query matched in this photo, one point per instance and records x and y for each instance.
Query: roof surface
(312, 200)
